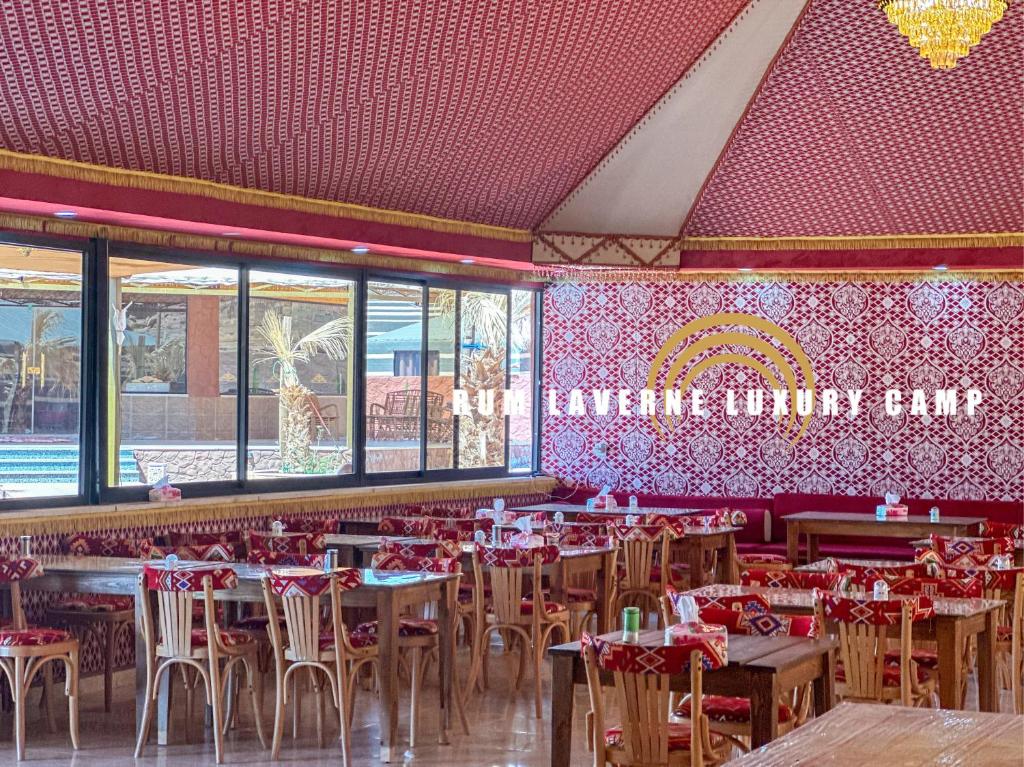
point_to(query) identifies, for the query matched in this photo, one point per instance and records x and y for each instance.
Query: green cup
(631, 620)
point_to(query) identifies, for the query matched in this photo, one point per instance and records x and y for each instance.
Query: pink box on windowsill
(165, 493)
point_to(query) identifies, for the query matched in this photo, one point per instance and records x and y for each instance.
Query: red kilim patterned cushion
(762, 559)
(287, 542)
(32, 637)
(1003, 580)
(952, 548)
(549, 607)
(791, 579)
(659, 659)
(100, 546)
(197, 552)
(417, 526)
(228, 637)
(641, 532)
(186, 538)
(185, 578)
(1002, 530)
(397, 562)
(957, 588)
(417, 549)
(19, 569)
(890, 674)
(754, 603)
(306, 525)
(926, 659)
(407, 627)
(722, 708)
(300, 581)
(758, 623)
(95, 603)
(285, 559)
(675, 524)
(585, 539)
(679, 737)
(358, 639)
(604, 519)
(492, 557)
(872, 612)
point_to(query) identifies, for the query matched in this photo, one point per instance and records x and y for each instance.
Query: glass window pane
(440, 378)
(394, 366)
(520, 438)
(300, 375)
(484, 319)
(171, 395)
(40, 371)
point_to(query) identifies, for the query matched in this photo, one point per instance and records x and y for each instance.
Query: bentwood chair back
(643, 555)
(1008, 587)
(865, 627)
(172, 640)
(641, 677)
(316, 641)
(25, 651)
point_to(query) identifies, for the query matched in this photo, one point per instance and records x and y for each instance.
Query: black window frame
(93, 487)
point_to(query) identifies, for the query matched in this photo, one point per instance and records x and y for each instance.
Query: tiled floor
(503, 732)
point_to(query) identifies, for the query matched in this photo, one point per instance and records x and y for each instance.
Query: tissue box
(165, 493)
(709, 638)
(892, 510)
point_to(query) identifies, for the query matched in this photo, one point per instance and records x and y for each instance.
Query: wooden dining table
(387, 592)
(860, 734)
(813, 524)
(954, 622)
(572, 510)
(759, 668)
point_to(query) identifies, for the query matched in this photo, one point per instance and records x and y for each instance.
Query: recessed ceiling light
(940, 267)
(65, 214)
(230, 234)
(466, 261)
(746, 269)
(361, 249)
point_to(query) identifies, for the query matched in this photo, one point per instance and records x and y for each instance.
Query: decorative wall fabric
(874, 336)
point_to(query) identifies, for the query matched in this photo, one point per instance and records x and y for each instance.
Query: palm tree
(277, 345)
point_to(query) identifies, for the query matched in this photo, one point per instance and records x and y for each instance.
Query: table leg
(812, 547)
(824, 686)
(732, 568)
(604, 592)
(764, 709)
(695, 550)
(446, 655)
(950, 641)
(793, 542)
(562, 695)
(988, 694)
(387, 647)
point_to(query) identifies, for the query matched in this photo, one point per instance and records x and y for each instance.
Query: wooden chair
(530, 619)
(864, 626)
(792, 579)
(418, 635)
(1008, 586)
(330, 652)
(641, 681)
(581, 590)
(103, 616)
(643, 569)
(197, 651)
(730, 715)
(25, 651)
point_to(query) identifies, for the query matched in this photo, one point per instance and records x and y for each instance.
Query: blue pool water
(51, 464)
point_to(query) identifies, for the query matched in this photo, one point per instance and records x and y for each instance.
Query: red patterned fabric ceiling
(854, 134)
(488, 112)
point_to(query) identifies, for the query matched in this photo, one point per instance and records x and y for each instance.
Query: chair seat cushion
(32, 637)
(723, 708)
(358, 639)
(527, 607)
(581, 595)
(407, 627)
(762, 558)
(95, 603)
(924, 658)
(1004, 633)
(890, 676)
(256, 623)
(679, 737)
(228, 637)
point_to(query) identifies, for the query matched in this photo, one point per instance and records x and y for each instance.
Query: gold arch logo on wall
(695, 341)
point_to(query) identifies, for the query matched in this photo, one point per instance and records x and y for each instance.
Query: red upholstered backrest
(160, 578)
(397, 562)
(874, 612)
(84, 545)
(651, 659)
(284, 559)
(735, 602)
(492, 557)
(791, 579)
(288, 542)
(307, 525)
(762, 623)
(957, 588)
(19, 569)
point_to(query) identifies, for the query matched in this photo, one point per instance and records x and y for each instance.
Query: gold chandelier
(944, 31)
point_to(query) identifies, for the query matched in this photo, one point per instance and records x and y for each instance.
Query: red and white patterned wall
(858, 335)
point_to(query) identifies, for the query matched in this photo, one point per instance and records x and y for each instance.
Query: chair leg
(279, 696)
(344, 714)
(46, 699)
(318, 693)
(19, 707)
(538, 658)
(252, 675)
(147, 713)
(71, 689)
(215, 698)
(108, 664)
(414, 694)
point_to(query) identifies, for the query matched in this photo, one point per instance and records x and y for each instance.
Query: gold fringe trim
(19, 162)
(886, 242)
(651, 275)
(83, 519)
(184, 241)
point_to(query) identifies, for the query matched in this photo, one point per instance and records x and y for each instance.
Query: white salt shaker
(933, 514)
(881, 592)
